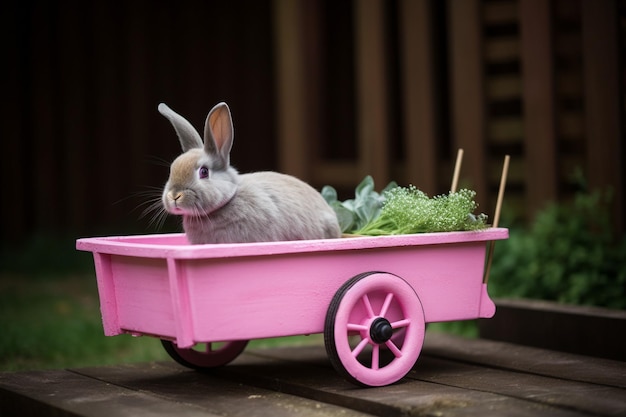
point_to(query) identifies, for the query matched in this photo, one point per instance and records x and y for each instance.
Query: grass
(55, 323)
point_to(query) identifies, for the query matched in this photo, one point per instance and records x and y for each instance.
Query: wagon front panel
(142, 292)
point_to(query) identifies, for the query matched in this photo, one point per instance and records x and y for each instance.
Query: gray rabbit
(219, 205)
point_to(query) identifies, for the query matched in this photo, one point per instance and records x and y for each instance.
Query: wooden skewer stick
(505, 171)
(457, 171)
(496, 217)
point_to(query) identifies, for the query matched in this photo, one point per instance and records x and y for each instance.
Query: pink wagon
(371, 297)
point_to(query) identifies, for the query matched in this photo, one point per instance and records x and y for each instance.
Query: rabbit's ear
(188, 136)
(219, 133)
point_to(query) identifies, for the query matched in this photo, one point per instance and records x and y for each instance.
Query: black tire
(374, 329)
(205, 360)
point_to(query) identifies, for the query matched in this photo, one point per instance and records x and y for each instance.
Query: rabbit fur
(219, 205)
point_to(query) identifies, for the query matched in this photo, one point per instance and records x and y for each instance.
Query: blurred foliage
(44, 255)
(569, 253)
(55, 322)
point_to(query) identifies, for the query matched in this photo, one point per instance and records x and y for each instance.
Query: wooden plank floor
(453, 377)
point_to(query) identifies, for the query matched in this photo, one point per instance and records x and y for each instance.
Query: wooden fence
(82, 141)
(328, 91)
(540, 80)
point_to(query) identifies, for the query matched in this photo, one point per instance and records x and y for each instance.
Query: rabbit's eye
(203, 173)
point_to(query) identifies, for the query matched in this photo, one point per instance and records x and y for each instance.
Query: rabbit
(219, 205)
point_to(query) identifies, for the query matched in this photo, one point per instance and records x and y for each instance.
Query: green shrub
(570, 254)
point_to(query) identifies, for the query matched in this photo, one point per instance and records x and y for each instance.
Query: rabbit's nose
(174, 197)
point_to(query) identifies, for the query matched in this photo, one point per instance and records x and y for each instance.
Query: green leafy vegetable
(408, 210)
(364, 208)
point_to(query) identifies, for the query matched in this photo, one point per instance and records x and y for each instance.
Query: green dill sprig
(408, 210)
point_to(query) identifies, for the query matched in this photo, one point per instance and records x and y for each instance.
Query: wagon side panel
(143, 297)
(281, 295)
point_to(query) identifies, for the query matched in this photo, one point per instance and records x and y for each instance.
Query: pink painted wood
(162, 286)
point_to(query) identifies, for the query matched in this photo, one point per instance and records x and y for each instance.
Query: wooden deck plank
(313, 378)
(210, 392)
(584, 330)
(584, 397)
(540, 376)
(528, 359)
(487, 353)
(65, 393)
(454, 376)
(147, 389)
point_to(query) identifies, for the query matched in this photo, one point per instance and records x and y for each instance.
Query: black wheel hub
(381, 330)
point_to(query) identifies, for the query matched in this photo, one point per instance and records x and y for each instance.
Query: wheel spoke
(356, 327)
(393, 348)
(375, 357)
(400, 323)
(359, 348)
(386, 304)
(368, 305)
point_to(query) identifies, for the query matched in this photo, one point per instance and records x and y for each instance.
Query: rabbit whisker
(159, 219)
(156, 160)
(150, 192)
(153, 209)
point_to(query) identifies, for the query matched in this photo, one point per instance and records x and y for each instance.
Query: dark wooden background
(326, 90)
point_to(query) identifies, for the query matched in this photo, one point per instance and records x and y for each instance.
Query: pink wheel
(205, 355)
(374, 329)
